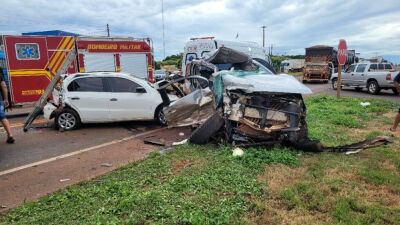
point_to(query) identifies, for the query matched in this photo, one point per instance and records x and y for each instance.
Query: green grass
(212, 187)
(207, 185)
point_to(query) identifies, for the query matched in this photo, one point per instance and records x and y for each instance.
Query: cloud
(370, 27)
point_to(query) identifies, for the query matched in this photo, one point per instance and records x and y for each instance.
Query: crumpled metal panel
(194, 108)
(259, 82)
(225, 55)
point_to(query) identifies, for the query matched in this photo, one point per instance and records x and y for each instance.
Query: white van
(197, 48)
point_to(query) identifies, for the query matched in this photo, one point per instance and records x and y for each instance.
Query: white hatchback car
(102, 97)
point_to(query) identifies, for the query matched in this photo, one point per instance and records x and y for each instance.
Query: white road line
(78, 152)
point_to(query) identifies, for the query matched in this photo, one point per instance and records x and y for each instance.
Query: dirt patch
(179, 165)
(372, 194)
(281, 176)
(276, 212)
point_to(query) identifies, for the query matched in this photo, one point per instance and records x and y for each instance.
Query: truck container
(292, 65)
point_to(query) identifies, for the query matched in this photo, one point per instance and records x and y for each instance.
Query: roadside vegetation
(279, 185)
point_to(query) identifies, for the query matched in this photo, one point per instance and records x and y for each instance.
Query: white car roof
(105, 74)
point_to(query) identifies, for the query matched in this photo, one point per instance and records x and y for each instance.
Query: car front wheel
(67, 120)
(334, 83)
(160, 116)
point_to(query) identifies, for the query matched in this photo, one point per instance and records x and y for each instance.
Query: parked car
(160, 74)
(102, 97)
(373, 76)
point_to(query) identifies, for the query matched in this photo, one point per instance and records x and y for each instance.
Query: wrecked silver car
(232, 98)
(254, 105)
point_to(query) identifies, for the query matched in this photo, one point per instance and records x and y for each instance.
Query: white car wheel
(67, 120)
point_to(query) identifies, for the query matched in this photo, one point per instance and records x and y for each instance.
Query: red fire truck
(31, 61)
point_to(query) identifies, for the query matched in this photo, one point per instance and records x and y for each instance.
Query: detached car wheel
(67, 119)
(373, 87)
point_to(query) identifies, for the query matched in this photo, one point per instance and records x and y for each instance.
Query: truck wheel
(373, 87)
(395, 92)
(206, 130)
(334, 83)
(67, 120)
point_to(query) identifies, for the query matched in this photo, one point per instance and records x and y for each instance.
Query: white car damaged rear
(102, 97)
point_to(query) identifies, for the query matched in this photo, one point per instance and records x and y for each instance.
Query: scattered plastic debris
(107, 165)
(180, 142)
(181, 134)
(63, 180)
(365, 104)
(237, 152)
(154, 141)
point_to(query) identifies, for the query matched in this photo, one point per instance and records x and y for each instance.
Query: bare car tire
(67, 120)
(373, 87)
(206, 130)
(334, 83)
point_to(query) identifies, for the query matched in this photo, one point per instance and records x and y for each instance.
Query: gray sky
(370, 27)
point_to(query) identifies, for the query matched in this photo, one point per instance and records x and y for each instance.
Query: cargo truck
(321, 62)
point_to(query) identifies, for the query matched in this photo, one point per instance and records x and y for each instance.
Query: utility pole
(263, 27)
(108, 30)
(163, 26)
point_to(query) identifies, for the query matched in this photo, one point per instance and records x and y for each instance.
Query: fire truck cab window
(27, 51)
(89, 84)
(190, 57)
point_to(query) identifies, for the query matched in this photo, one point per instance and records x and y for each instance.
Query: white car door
(88, 97)
(131, 101)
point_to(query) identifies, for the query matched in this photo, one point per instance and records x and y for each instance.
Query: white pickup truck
(373, 76)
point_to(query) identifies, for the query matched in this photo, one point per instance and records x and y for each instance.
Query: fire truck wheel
(67, 120)
(334, 83)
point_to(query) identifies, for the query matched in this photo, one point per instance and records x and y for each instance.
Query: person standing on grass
(397, 119)
(3, 104)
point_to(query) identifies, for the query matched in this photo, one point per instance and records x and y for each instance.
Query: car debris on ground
(245, 104)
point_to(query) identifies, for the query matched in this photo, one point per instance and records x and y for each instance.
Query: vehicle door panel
(126, 103)
(346, 75)
(87, 97)
(358, 77)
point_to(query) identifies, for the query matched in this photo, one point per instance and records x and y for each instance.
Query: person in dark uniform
(397, 119)
(3, 104)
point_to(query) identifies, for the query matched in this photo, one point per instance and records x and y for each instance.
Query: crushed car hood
(258, 82)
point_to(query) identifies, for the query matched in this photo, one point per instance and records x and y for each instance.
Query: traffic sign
(342, 52)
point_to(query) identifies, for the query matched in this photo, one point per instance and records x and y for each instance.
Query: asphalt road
(320, 88)
(44, 143)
